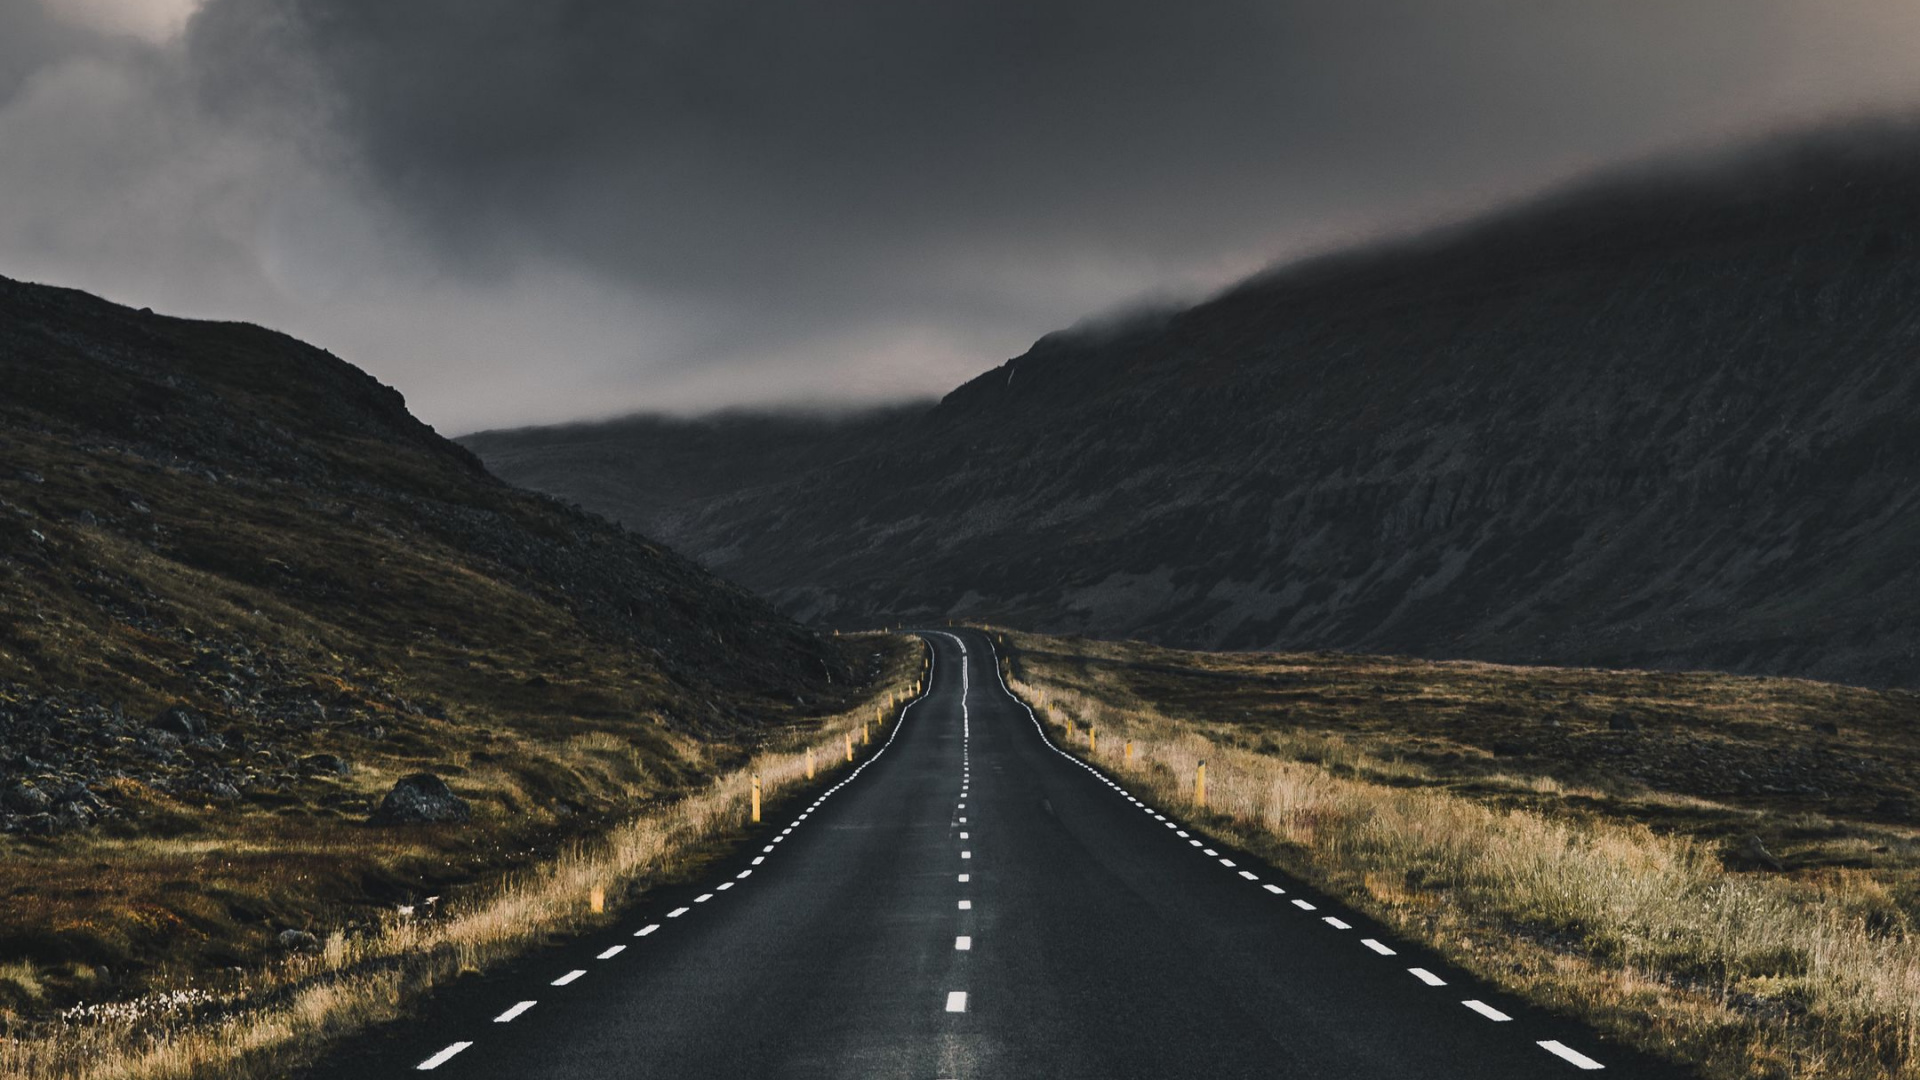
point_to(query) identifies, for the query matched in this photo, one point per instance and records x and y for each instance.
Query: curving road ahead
(972, 902)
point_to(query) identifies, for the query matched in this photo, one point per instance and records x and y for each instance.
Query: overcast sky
(523, 211)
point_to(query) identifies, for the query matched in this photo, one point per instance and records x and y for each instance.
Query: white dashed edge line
(1487, 1011)
(926, 689)
(1568, 1054)
(442, 1057)
(508, 1016)
(1552, 1046)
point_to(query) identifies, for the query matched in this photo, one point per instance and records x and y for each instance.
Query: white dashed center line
(1303, 905)
(964, 877)
(677, 912)
(507, 1017)
(966, 854)
(1376, 946)
(446, 1055)
(1249, 875)
(1274, 889)
(956, 1002)
(1566, 1053)
(703, 898)
(645, 930)
(963, 836)
(569, 977)
(1335, 923)
(1427, 977)
(966, 905)
(963, 943)
(611, 953)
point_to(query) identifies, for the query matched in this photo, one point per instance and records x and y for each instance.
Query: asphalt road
(975, 903)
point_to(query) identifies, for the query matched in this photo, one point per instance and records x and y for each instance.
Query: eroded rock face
(421, 799)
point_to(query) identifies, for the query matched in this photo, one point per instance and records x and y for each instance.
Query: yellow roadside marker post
(1129, 751)
(1200, 785)
(1093, 740)
(597, 899)
(849, 746)
(1069, 729)
(756, 798)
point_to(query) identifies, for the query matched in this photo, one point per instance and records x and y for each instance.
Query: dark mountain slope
(1666, 422)
(242, 591)
(650, 472)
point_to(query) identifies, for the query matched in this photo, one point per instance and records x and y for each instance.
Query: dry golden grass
(284, 1012)
(1528, 880)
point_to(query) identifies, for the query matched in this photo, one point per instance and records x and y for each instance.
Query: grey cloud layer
(711, 201)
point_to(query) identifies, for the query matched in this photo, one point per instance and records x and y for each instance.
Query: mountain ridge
(1659, 420)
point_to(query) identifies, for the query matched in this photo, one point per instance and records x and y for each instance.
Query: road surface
(975, 903)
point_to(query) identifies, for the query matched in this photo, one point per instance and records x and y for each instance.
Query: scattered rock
(420, 799)
(298, 941)
(182, 722)
(72, 816)
(24, 798)
(331, 764)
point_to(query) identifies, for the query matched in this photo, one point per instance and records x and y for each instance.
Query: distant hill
(651, 472)
(1663, 420)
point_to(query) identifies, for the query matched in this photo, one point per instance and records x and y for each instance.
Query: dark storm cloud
(29, 41)
(524, 210)
(813, 149)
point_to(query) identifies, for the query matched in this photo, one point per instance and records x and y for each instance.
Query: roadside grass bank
(283, 1013)
(1763, 931)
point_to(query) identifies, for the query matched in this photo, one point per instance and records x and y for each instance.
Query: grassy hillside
(242, 592)
(1723, 870)
(1655, 421)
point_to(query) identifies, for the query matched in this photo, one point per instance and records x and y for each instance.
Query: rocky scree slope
(1661, 422)
(242, 591)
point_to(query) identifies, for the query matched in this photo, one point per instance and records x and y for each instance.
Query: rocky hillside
(1660, 421)
(243, 592)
